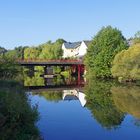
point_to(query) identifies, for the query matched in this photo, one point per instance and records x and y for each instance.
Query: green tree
(137, 38)
(51, 50)
(2, 51)
(126, 64)
(102, 50)
(20, 51)
(8, 68)
(31, 53)
(11, 54)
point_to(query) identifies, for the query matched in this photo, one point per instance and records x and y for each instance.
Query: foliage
(39, 69)
(8, 68)
(16, 53)
(2, 50)
(47, 51)
(126, 64)
(17, 118)
(104, 46)
(56, 69)
(66, 74)
(101, 104)
(31, 53)
(137, 38)
(58, 80)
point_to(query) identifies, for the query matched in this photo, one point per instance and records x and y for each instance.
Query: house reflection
(74, 95)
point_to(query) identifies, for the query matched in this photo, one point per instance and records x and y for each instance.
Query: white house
(75, 49)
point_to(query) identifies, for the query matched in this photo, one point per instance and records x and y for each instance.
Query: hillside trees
(47, 50)
(16, 53)
(102, 50)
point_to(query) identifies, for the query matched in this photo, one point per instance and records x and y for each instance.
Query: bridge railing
(49, 60)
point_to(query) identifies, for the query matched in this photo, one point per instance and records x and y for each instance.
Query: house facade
(75, 49)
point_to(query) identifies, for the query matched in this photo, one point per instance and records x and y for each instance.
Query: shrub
(126, 64)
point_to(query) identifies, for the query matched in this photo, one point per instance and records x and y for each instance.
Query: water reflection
(74, 95)
(101, 104)
(65, 95)
(113, 106)
(38, 80)
(127, 99)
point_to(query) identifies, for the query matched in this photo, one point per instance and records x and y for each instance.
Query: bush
(8, 68)
(126, 64)
(17, 117)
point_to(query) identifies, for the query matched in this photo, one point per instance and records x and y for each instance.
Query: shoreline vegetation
(17, 117)
(110, 55)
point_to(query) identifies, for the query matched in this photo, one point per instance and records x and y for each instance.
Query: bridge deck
(50, 62)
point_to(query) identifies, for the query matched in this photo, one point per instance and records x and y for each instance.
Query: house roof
(69, 45)
(87, 42)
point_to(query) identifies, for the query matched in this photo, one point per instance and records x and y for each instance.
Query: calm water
(98, 110)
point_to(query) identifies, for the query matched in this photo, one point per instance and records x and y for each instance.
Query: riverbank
(17, 117)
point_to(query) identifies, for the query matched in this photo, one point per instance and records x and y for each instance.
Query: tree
(102, 50)
(20, 51)
(8, 68)
(137, 38)
(126, 64)
(52, 50)
(2, 50)
(31, 53)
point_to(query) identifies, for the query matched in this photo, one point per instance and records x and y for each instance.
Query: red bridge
(76, 65)
(42, 62)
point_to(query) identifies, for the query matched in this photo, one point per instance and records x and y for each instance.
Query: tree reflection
(101, 104)
(35, 80)
(127, 99)
(51, 95)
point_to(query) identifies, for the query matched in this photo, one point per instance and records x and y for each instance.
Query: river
(85, 110)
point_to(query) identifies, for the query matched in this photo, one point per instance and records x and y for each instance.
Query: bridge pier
(31, 70)
(48, 82)
(48, 70)
(80, 73)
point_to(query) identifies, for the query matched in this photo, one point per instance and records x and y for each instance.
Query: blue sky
(32, 22)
